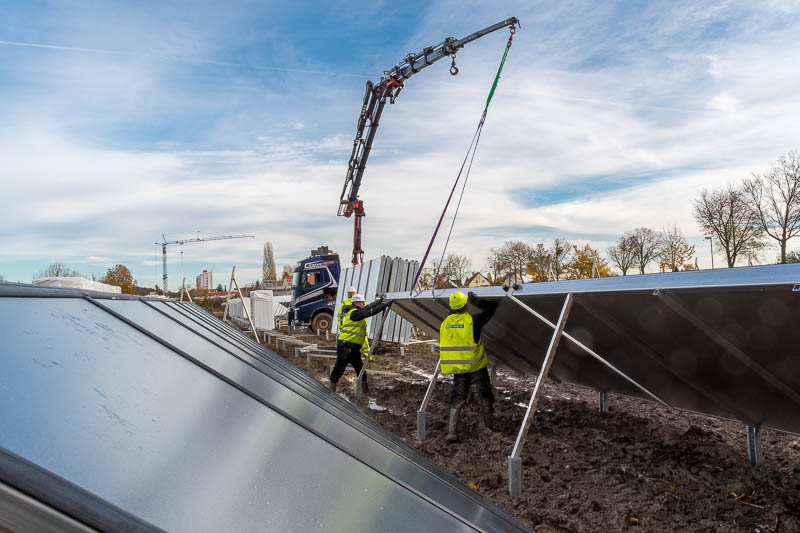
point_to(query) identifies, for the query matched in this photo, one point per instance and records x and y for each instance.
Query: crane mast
(389, 86)
(165, 242)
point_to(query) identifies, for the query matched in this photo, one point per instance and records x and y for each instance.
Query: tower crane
(165, 242)
(390, 85)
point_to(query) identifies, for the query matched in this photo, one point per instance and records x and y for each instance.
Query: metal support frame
(421, 411)
(493, 376)
(184, 290)
(603, 402)
(515, 460)
(588, 350)
(373, 349)
(754, 444)
(233, 284)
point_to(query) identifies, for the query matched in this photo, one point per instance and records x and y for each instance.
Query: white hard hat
(358, 298)
(351, 289)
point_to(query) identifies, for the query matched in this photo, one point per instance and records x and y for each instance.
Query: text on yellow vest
(458, 351)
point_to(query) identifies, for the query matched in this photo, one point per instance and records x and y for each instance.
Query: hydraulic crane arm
(389, 86)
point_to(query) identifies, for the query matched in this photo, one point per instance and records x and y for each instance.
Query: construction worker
(461, 353)
(347, 301)
(352, 336)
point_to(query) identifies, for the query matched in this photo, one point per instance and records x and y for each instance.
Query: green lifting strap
(468, 158)
(499, 70)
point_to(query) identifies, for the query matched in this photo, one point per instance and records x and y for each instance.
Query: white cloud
(724, 102)
(656, 106)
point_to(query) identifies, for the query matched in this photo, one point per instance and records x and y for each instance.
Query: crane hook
(453, 67)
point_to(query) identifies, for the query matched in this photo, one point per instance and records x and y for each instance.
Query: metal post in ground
(515, 459)
(753, 444)
(603, 402)
(421, 411)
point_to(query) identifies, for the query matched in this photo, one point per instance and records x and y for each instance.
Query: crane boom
(164, 242)
(390, 85)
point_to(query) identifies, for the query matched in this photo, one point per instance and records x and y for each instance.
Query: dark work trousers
(461, 384)
(346, 352)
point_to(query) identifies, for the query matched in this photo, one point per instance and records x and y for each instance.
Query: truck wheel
(321, 322)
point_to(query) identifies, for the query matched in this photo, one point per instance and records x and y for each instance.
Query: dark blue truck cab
(315, 281)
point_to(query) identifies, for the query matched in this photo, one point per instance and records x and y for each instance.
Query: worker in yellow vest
(350, 292)
(352, 336)
(461, 353)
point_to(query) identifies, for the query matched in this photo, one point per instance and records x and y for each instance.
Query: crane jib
(375, 96)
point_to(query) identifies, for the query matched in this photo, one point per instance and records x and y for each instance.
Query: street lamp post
(711, 242)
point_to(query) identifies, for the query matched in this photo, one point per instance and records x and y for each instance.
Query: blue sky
(120, 122)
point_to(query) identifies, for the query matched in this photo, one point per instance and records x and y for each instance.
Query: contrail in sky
(168, 58)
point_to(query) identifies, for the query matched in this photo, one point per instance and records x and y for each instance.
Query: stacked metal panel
(262, 309)
(373, 278)
(721, 342)
(135, 414)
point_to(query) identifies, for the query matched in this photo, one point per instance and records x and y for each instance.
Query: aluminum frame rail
(719, 342)
(225, 434)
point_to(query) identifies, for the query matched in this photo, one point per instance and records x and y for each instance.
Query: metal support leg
(373, 350)
(493, 376)
(326, 334)
(402, 351)
(296, 352)
(433, 347)
(753, 445)
(515, 476)
(421, 410)
(514, 460)
(603, 402)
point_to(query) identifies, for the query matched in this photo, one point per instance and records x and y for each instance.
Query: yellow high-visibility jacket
(354, 331)
(340, 315)
(458, 351)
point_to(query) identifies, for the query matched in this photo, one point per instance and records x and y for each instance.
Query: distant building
(205, 280)
(477, 280)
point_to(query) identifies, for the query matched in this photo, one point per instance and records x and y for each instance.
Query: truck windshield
(296, 279)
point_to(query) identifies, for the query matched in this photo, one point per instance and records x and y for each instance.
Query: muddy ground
(640, 467)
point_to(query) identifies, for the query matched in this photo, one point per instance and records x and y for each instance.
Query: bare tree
(675, 251)
(541, 263)
(494, 262)
(455, 267)
(621, 254)
(645, 244)
(561, 253)
(268, 270)
(514, 257)
(725, 213)
(774, 198)
(56, 270)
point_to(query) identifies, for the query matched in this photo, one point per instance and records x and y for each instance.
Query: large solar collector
(721, 342)
(126, 413)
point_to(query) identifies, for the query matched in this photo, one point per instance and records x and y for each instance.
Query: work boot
(452, 427)
(488, 418)
(332, 386)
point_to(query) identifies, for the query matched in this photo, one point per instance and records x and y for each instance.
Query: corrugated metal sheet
(373, 278)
